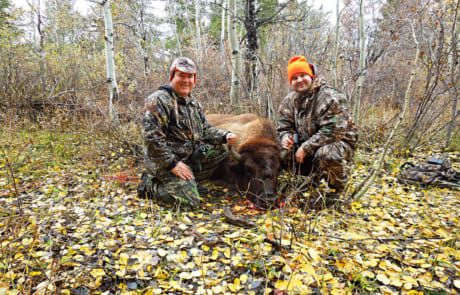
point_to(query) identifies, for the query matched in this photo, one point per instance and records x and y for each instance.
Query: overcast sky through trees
(159, 5)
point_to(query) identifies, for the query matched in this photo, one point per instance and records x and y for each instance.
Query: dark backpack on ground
(433, 172)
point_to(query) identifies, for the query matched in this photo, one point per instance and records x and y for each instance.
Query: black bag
(434, 171)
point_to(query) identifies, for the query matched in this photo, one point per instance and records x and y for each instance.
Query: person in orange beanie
(314, 121)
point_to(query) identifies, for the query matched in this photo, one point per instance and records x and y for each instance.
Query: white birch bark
(336, 44)
(36, 11)
(41, 48)
(144, 38)
(54, 25)
(362, 63)
(110, 60)
(171, 10)
(222, 33)
(453, 64)
(198, 31)
(235, 84)
(251, 63)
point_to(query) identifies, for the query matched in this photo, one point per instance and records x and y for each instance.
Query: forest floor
(71, 223)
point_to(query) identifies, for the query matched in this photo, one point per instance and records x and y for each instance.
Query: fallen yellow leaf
(308, 268)
(26, 241)
(35, 273)
(123, 259)
(162, 252)
(368, 274)
(281, 285)
(327, 277)
(457, 284)
(97, 272)
(383, 279)
(314, 254)
(243, 278)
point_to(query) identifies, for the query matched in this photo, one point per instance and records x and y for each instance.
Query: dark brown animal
(253, 166)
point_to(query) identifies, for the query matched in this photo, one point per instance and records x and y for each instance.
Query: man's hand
(300, 155)
(287, 142)
(231, 138)
(183, 171)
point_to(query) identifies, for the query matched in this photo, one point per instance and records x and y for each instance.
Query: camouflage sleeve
(333, 120)
(156, 117)
(286, 120)
(211, 134)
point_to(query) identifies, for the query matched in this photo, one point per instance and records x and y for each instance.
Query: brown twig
(275, 244)
(232, 219)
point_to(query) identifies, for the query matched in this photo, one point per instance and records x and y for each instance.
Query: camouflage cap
(183, 64)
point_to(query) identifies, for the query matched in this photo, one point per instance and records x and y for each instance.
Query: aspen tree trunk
(173, 17)
(41, 36)
(453, 62)
(236, 61)
(41, 51)
(362, 63)
(110, 60)
(179, 47)
(252, 45)
(144, 41)
(272, 76)
(336, 44)
(198, 30)
(57, 36)
(378, 164)
(222, 33)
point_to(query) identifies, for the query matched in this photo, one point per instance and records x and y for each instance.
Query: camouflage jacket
(173, 126)
(319, 117)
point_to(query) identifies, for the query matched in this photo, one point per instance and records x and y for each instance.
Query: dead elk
(254, 164)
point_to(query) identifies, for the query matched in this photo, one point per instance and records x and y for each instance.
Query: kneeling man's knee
(336, 153)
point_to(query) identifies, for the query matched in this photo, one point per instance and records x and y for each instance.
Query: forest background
(72, 86)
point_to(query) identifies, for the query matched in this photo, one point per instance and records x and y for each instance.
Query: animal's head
(259, 162)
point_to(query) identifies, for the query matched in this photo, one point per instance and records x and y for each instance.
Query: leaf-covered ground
(71, 223)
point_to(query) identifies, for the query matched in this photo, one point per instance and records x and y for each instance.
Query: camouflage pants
(170, 189)
(329, 163)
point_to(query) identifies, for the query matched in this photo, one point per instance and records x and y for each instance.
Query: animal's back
(245, 126)
(222, 119)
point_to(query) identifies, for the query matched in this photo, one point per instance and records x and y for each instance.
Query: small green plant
(363, 285)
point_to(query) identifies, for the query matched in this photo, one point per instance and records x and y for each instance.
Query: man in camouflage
(315, 116)
(180, 145)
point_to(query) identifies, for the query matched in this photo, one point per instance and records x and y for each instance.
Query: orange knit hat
(298, 64)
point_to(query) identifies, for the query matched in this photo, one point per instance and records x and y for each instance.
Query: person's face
(183, 83)
(301, 82)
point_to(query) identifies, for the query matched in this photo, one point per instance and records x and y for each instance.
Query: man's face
(301, 82)
(183, 83)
